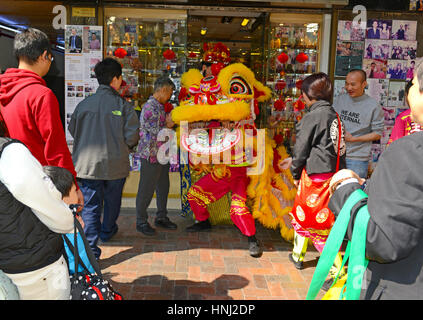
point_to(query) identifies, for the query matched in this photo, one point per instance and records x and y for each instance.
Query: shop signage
(83, 12)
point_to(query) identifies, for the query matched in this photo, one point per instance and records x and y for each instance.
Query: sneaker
(165, 223)
(297, 264)
(327, 284)
(146, 229)
(255, 249)
(199, 226)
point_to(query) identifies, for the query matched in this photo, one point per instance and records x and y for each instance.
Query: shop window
(292, 56)
(147, 48)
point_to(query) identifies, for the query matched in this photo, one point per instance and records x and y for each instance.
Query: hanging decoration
(283, 58)
(280, 85)
(120, 53)
(169, 54)
(299, 105)
(216, 53)
(279, 105)
(301, 57)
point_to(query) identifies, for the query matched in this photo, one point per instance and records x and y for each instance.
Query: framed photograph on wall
(404, 50)
(397, 69)
(375, 68)
(377, 49)
(404, 30)
(348, 31)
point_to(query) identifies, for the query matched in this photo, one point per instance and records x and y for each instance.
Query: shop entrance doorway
(242, 33)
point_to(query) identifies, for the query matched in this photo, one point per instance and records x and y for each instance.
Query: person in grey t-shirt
(363, 119)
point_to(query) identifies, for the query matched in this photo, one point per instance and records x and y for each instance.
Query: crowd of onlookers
(39, 178)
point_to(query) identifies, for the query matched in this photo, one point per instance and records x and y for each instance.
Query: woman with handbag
(319, 152)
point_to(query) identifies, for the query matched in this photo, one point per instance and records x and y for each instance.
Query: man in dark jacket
(105, 128)
(394, 243)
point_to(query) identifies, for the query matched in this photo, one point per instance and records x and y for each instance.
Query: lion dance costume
(216, 120)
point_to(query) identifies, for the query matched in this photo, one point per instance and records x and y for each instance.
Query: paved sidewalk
(176, 265)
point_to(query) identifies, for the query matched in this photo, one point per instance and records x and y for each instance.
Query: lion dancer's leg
(240, 214)
(200, 195)
(208, 190)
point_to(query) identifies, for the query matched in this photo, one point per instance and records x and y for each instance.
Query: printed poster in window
(83, 50)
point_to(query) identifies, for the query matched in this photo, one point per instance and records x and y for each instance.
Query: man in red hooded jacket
(30, 109)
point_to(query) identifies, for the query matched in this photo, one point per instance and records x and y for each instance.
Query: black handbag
(86, 285)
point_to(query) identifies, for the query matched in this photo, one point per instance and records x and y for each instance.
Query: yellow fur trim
(191, 77)
(238, 69)
(266, 207)
(234, 111)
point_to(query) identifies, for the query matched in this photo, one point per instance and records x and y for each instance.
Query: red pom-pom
(168, 107)
(283, 58)
(182, 94)
(120, 53)
(169, 54)
(280, 85)
(299, 105)
(279, 105)
(216, 67)
(278, 138)
(301, 57)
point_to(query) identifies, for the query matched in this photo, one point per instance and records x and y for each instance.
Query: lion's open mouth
(211, 137)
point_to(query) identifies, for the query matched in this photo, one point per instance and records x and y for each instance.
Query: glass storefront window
(293, 54)
(147, 48)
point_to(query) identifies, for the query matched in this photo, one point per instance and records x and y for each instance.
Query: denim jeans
(358, 166)
(97, 192)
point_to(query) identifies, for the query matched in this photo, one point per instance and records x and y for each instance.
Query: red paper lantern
(120, 53)
(169, 54)
(301, 57)
(283, 58)
(280, 85)
(168, 107)
(279, 105)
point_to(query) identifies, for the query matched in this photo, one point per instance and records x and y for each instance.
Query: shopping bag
(310, 209)
(355, 252)
(87, 285)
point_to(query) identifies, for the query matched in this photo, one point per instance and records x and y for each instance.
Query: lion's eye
(239, 86)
